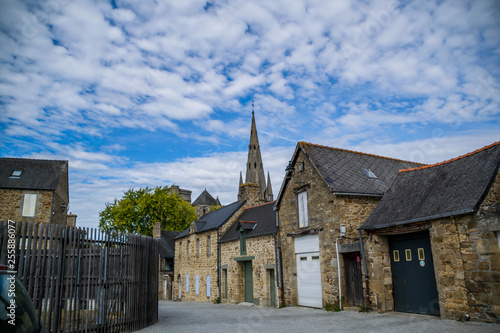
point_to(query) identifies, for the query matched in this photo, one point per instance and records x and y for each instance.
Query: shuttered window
(29, 205)
(302, 209)
(208, 286)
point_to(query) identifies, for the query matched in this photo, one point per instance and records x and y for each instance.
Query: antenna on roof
(252, 108)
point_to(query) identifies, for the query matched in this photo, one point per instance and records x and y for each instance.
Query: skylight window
(16, 174)
(369, 173)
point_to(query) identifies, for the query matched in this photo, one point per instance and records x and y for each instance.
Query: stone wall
(11, 205)
(202, 265)
(466, 258)
(262, 248)
(327, 213)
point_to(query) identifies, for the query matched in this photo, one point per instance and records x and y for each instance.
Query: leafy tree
(138, 210)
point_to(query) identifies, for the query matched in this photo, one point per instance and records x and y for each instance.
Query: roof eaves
(420, 219)
(378, 195)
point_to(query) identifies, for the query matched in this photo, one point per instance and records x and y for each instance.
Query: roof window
(16, 174)
(369, 173)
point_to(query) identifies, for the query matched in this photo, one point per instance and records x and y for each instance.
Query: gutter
(420, 219)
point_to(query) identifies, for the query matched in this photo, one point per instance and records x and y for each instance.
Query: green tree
(138, 210)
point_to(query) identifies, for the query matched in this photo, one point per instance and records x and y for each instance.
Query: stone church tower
(255, 188)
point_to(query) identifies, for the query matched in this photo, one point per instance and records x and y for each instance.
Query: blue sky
(147, 93)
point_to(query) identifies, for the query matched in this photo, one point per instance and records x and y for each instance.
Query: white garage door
(308, 271)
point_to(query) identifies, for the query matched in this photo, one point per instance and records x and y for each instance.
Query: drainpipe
(366, 271)
(280, 265)
(218, 265)
(338, 272)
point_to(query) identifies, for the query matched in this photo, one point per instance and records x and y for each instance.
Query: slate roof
(343, 169)
(257, 221)
(215, 219)
(166, 244)
(36, 174)
(449, 188)
(206, 198)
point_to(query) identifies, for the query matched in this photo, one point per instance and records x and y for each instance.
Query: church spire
(269, 189)
(255, 169)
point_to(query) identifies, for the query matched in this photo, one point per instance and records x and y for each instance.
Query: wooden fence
(83, 279)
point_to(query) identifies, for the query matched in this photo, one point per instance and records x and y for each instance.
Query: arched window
(255, 165)
(187, 283)
(208, 285)
(197, 285)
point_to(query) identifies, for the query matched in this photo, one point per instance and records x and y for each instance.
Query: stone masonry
(190, 262)
(327, 212)
(262, 248)
(466, 259)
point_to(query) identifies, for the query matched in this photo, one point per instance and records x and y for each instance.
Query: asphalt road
(207, 317)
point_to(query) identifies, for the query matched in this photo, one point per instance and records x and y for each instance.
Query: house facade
(326, 195)
(34, 190)
(197, 255)
(433, 242)
(249, 257)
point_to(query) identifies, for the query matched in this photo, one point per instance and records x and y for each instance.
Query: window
(408, 254)
(208, 246)
(303, 258)
(208, 285)
(180, 250)
(421, 254)
(29, 205)
(16, 174)
(396, 255)
(369, 173)
(302, 209)
(187, 283)
(198, 248)
(498, 238)
(188, 246)
(243, 242)
(197, 285)
(315, 258)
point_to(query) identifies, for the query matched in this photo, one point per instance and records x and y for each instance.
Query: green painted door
(248, 282)
(272, 288)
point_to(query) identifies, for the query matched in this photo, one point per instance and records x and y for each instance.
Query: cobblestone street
(207, 317)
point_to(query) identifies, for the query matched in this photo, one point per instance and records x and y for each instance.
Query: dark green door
(248, 282)
(272, 289)
(414, 282)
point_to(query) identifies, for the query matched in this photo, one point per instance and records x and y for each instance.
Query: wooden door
(353, 278)
(414, 282)
(248, 282)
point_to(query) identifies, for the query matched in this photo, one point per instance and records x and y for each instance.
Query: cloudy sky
(145, 93)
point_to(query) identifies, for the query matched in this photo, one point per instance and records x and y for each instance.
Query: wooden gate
(353, 278)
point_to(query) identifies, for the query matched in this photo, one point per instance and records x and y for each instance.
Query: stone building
(248, 258)
(34, 190)
(432, 243)
(326, 192)
(197, 255)
(166, 247)
(204, 202)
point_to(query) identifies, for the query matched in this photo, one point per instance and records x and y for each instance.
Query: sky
(143, 93)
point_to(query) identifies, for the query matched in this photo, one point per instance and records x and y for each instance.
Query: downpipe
(338, 272)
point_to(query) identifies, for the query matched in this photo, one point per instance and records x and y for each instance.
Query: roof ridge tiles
(453, 159)
(262, 204)
(358, 152)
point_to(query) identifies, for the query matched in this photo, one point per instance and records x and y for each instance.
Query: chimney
(157, 230)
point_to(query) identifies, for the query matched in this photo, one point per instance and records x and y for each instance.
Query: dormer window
(369, 173)
(16, 174)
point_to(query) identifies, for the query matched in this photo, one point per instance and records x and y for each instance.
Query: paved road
(207, 317)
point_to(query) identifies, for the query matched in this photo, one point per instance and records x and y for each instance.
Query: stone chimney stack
(157, 230)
